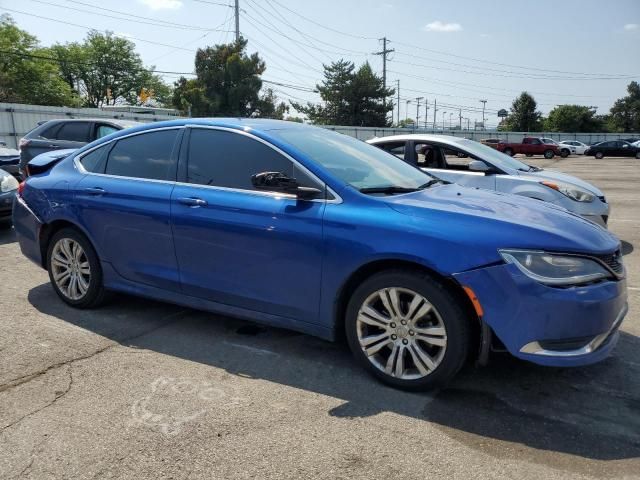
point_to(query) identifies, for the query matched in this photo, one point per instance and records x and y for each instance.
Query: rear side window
(147, 155)
(103, 130)
(94, 160)
(51, 131)
(74, 132)
(226, 159)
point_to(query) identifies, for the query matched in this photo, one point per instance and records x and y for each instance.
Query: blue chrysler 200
(307, 229)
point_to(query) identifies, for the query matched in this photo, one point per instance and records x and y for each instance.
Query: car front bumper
(546, 325)
(6, 205)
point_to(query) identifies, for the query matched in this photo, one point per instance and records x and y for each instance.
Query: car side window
(226, 159)
(50, 132)
(94, 160)
(74, 132)
(535, 141)
(395, 148)
(103, 130)
(147, 155)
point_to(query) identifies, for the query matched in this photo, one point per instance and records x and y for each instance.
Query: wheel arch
(49, 229)
(380, 265)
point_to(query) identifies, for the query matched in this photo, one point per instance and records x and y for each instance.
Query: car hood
(562, 177)
(477, 219)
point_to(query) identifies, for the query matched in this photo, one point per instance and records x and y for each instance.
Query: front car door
(124, 202)
(238, 246)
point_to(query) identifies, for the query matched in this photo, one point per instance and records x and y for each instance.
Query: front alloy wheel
(408, 329)
(401, 333)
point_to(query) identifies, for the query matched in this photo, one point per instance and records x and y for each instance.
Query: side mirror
(478, 166)
(280, 182)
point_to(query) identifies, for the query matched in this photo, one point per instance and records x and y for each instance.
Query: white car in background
(569, 149)
(579, 146)
(473, 164)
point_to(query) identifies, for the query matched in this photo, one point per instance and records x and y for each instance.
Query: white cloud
(162, 4)
(439, 26)
(631, 26)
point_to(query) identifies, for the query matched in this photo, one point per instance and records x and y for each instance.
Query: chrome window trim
(337, 198)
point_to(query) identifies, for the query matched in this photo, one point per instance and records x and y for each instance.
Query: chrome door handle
(95, 191)
(192, 202)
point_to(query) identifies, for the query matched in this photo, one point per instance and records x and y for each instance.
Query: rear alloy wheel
(599, 155)
(548, 154)
(74, 269)
(408, 330)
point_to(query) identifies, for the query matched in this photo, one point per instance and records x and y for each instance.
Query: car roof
(114, 121)
(423, 137)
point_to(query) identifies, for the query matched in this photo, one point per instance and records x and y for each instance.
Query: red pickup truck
(531, 146)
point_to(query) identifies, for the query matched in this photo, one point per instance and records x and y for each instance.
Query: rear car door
(124, 203)
(241, 247)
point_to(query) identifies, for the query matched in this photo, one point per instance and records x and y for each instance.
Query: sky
(453, 53)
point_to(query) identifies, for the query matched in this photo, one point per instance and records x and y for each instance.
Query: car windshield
(493, 156)
(355, 162)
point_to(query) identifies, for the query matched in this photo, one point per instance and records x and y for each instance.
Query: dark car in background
(66, 133)
(9, 159)
(613, 148)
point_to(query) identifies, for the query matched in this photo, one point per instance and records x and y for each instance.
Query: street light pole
(450, 115)
(406, 113)
(484, 104)
(443, 114)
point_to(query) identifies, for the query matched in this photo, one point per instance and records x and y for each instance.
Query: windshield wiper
(390, 189)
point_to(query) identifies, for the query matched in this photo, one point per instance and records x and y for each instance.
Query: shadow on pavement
(7, 235)
(591, 412)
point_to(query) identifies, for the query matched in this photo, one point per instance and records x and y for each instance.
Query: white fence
(17, 119)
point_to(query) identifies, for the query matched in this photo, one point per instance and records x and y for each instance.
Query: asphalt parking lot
(140, 389)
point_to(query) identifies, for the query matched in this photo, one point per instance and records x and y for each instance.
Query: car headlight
(556, 269)
(8, 183)
(570, 191)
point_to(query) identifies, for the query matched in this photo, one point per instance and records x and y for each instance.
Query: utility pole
(398, 92)
(484, 104)
(435, 110)
(460, 118)
(406, 111)
(468, 120)
(426, 112)
(418, 111)
(450, 124)
(384, 53)
(443, 114)
(237, 10)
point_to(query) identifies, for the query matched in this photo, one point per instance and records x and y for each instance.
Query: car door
(124, 204)
(238, 246)
(623, 149)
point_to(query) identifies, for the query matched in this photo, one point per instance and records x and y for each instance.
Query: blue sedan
(307, 229)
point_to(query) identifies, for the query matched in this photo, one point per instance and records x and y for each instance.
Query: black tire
(95, 292)
(452, 315)
(564, 153)
(638, 155)
(528, 154)
(599, 155)
(549, 154)
(508, 151)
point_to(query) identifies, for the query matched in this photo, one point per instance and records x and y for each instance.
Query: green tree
(107, 70)
(407, 122)
(350, 97)
(523, 117)
(625, 113)
(573, 118)
(26, 76)
(227, 83)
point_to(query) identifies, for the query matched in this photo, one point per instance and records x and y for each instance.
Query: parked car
(309, 229)
(490, 142)
(484, 167)
(580, 147)
(66, 133)
(613, 148)
(565, 150)
(636, 144)
(531, 146)
(9, 160)
(8, 188)
(630, 139)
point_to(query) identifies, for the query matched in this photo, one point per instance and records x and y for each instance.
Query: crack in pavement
(169, 319)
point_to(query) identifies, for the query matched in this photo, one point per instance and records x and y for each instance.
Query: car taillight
(23, 143)
(20, 188)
